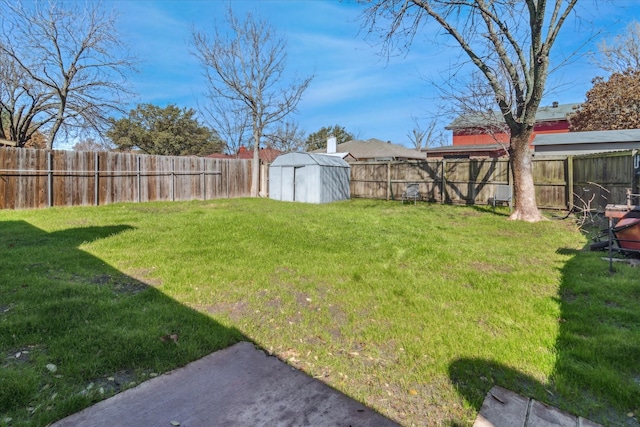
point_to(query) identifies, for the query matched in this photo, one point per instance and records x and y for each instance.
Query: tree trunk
(59, 119)
(255, 164)
(526, 208)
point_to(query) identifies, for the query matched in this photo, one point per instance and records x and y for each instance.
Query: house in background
(577, 143)
(267, 155)
(372, 150)
(468, 151)
(484, 135)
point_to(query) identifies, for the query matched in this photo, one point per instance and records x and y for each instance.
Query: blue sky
(353, 86)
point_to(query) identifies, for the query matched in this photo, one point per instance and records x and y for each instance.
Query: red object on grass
(627, 232)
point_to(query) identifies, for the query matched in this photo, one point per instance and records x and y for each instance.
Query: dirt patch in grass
(121, 284)
(20, 355)
(234, 310)
(487, 267)
(435, 404)
(489, 328)
(303, 300)
(112, 384)
(6, 308)
(145, 275)
(128, 286)
(567, 295)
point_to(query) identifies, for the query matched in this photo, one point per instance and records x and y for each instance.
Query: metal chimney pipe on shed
(331, 145)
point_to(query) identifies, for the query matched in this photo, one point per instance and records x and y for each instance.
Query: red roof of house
(267, 155)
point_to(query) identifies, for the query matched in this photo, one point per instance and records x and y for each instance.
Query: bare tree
(91, 144)
(622, 53)
(429, 136)
(22, 103)
(230, 121)
(287, 137)
(417, 138)
(63, 68)
(509, 42)
(246, 67)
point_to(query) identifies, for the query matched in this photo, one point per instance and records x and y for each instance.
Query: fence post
(203, 180)
(138, 177)
(635, 179)
(173, 195)
(50, 177)
(96, 177)
(569, 179)
(444, 178)
(388, 179)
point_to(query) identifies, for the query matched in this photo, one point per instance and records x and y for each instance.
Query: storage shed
(309, 178)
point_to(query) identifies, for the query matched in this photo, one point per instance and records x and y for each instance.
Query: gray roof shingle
(376, 149)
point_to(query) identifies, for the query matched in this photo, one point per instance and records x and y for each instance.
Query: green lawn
(414, 310)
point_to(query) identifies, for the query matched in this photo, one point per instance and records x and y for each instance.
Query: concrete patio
(237, 386)
(504, 408)
(243, 386)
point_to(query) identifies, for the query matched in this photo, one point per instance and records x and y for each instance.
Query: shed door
(287, 183)
(299, 185)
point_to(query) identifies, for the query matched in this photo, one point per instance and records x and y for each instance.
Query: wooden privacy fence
(40, 178)
(560, 182)
(600, 179)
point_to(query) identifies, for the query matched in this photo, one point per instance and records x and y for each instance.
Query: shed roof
(304, 159)
(592, 137)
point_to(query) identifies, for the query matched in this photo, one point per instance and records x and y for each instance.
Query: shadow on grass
(488, 209)
(597, 371)
(74, 330)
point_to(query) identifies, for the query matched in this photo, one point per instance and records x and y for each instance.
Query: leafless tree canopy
(622, 53)
(91, 144)
(63, 68)
(426, 133)
(509, 43)
(286, 137)
(230, 121)
(417, 138)
(245, 70)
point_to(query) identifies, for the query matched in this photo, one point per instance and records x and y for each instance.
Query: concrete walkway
(237, 386)
(504, 408)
